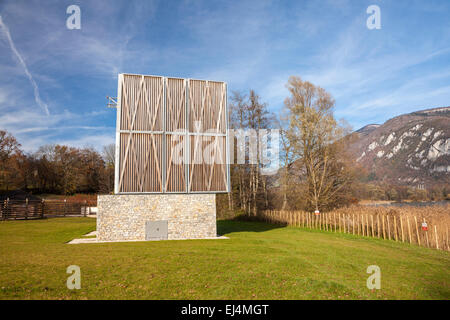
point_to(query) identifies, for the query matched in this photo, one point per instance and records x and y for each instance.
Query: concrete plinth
(124, 217)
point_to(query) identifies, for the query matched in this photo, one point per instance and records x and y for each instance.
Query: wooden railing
(405, 228)
(38, 209)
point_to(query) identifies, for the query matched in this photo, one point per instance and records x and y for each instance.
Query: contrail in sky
(37, 97)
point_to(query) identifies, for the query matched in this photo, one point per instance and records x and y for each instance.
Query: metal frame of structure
(155, 111)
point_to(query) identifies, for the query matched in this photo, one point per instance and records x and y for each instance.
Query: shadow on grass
(239, 225)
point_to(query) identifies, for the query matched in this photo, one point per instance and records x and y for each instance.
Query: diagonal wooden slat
(140, 144)
(215, 144)
(197, 140)
(152, 137)
(181, 102)
(130, 135)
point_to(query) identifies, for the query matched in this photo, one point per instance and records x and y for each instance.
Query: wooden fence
(38, 209)
(399, 228)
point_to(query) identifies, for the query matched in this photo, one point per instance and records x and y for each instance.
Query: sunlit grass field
(259, 261)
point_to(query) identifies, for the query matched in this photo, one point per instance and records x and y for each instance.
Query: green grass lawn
(259, 261)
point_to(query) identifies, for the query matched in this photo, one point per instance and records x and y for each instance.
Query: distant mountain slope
(368, 129)
(411, 149)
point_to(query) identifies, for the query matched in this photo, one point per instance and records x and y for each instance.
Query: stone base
(123, 217)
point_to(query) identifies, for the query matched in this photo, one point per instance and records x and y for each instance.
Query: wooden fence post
(358, 218)
(436, 236)
(395, 229)
(417, 231)
(64, 207)
(349, 224)
(363, 229)
(353, 223)
(316, 221)
(401, 227)
(320, 221)
(389, 227)
(384, 234)
(378, 225)
(42, 208)
(26, 208)
(371, 220)
(334, 221)
(446, 229)
(343, 218)
(409, 229)
(324, 221)
(5, 209)
(362, 225)
(367, 225)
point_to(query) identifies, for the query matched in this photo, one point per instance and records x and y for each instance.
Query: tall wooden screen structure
(171, 135)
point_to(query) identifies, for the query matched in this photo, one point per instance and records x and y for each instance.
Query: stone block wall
(124, 216)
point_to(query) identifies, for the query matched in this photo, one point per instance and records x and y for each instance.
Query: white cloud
(37, 96)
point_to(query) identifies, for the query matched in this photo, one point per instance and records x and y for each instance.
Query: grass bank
(259, 261)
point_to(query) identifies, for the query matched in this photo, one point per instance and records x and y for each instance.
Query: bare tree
(286, 157)
(248, 112)
(317, 141)
(9, 151)
(109, 154)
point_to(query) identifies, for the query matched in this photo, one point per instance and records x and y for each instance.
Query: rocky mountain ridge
(411, 149)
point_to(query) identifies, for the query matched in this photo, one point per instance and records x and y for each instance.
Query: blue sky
(373, 74)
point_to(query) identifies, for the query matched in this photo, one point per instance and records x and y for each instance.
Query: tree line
(316, 172)
(54, 168)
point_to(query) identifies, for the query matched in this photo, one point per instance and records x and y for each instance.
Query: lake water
(411, 204)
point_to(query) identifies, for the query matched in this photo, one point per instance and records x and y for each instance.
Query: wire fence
(39, 209)
(385, 224)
